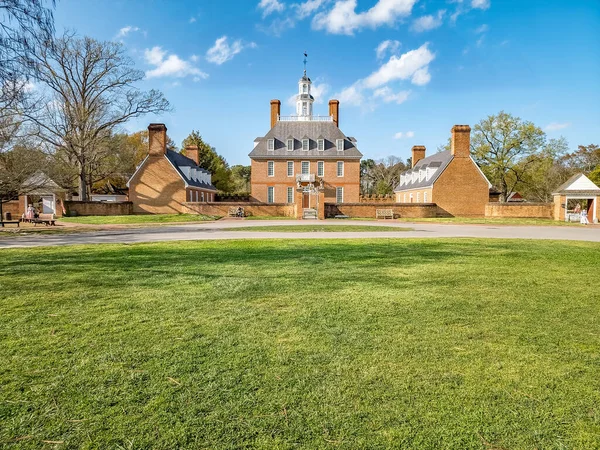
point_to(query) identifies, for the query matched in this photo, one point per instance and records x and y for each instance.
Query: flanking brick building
(166, 180)
(451, 178)
(304, 159)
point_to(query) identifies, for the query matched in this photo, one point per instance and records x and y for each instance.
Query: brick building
(305, 159)
(451, 178)
(166, 180)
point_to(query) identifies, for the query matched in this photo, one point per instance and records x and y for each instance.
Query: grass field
(134, 219)
(374, 344)
(319, 228)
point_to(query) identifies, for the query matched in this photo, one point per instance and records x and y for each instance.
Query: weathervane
(305, 56)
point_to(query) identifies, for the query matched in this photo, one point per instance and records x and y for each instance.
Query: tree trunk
(82, 187)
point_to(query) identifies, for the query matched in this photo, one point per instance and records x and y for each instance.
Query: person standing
(584, 218)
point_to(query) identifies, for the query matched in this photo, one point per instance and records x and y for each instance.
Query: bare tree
(89, 91)
(23, 25)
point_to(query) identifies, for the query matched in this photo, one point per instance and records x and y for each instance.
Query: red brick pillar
(298, 203)
(321, 212)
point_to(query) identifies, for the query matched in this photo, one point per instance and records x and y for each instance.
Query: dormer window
(320, 144)
(305, 144)
(271, 144)
(290, 144)
(339, 145)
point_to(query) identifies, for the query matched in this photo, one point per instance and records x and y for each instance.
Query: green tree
(545, 171)
(240, 177)
(505, 147)
(210, 160)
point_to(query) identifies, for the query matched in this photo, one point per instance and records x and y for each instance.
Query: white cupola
(304, 99)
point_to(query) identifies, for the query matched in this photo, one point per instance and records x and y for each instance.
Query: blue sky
(404, 71)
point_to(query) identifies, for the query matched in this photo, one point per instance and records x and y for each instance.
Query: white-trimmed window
(320, 144)
(339, 143)
(340, 168)
(320, 168)
(290, 168)
(304, 88)
(305, 167)
(411, 198)
(290, 194)
(305, 144)
(270, 194)
(424, 197)
(202, 196)
(339, 195)
(290, 145)
(270, 168)
(271, 144)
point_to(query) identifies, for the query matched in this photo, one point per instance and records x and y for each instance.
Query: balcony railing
(305, 177)
(305, 118)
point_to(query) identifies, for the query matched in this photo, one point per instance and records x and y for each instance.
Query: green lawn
(317, 227)
(373, 344)
(134, 219)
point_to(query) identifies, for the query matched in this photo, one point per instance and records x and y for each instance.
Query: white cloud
(194, 58)
(126, 30)
(388, 96)
(421, 77)
(430, 22)
(482, 29)
(306, 8)
(343, 18)
(170, 66)
(270, 6)
(222, 51)
(412, 66)
(385, 47)
(555, 126)
(480, 4)
(402, 68)
(192, 19)
(408, 134)
(351, 95)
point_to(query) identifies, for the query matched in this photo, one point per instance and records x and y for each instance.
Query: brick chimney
(461, 141)
(275, 111)
(157, 139)
(334, 111)
(192, 152)
(418, 153)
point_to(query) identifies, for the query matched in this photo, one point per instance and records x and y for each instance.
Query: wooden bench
(13, 222)
(384, 213)
(46, 219)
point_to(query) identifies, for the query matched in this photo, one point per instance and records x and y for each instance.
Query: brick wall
(157, 188)
(250, 208)
(14, 207)
(369, 209)
(98, 208)
(280, 181)
(535, 210)
(461, 190)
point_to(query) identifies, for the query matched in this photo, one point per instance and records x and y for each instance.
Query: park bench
(236, 211)
(384, 213)
(13, 222)
(46, 219)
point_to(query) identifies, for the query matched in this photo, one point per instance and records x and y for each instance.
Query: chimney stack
(275, 111)
(157, 139)
(334, 111)
(461, 141)
(418, 153)
(192, 152)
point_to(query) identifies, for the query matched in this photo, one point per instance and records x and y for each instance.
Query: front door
(305, 200)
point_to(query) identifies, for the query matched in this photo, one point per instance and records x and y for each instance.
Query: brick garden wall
(14, 207)
(532, 210)
(98, 208)
(408, 210)
(250, 208)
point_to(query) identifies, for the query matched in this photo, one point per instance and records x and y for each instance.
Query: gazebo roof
(40, 183)
(578, 184)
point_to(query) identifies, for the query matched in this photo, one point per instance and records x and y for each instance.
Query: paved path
(222, 230)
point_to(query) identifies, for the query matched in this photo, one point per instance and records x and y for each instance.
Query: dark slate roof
(178, 160)
(299, 130)
(439, 160)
